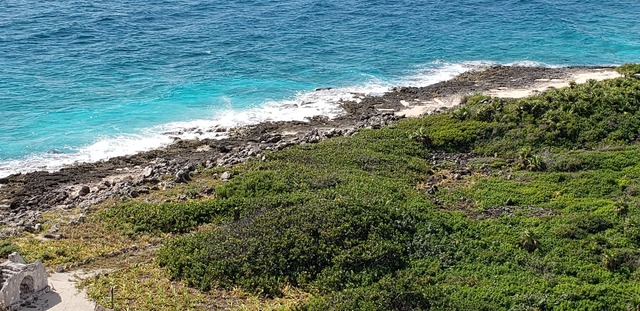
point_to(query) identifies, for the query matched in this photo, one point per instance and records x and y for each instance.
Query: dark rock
(84, 191)
(53, 236)
(273, 139)
(134, 193)
(433, 190)
(60, 197)
(183, 176)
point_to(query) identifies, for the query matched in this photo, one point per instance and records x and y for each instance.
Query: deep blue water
(85, 80)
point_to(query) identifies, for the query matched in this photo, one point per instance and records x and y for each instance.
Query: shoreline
(576, 74)
(23, 197)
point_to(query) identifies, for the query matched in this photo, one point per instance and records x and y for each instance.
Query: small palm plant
(536, 164)
(421, 135)
(461, 113)
(529, 241)
(530, 161)
(525, 153)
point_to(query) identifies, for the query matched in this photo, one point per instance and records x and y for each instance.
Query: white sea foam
(439, 71)
(304, 105)
(530, 63)
(100, 150)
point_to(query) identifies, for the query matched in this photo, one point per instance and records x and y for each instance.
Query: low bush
(628, 70)
(135, 218)
(402, 291)
(332, 243)
(6, 248)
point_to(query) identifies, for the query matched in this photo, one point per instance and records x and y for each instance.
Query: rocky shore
(24, 197)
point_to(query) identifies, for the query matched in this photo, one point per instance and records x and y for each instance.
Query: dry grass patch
(146, 286)
(79, 243)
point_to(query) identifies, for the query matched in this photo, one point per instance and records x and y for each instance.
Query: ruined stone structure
(21, 282)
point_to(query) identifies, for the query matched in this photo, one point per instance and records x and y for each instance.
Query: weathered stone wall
(21, 282)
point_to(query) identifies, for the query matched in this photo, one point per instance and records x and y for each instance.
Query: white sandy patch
(596, 74)
(414, 109)
(429, 106)
(547, 84)
(64, 295)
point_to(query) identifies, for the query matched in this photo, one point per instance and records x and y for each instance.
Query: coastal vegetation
(498, 204)
(6, 248)
(629, 70)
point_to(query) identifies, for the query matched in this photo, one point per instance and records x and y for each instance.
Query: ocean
(89, 80)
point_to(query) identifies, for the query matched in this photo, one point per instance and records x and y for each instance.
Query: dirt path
(63, 295)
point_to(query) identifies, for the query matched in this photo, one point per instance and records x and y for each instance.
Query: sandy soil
(64, 296)
(422, 107)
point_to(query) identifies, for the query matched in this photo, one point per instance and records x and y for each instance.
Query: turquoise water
(82, 81)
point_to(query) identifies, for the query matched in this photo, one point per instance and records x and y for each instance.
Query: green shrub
(585, 115)
(592, 223)
(628, 70)
(619, 259)
(165, 217)
(7, 248)
(443, 132)
(332, 243)
(256, 183)
(405, 291)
